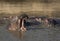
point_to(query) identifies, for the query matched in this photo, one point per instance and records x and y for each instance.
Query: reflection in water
(21, 34)
(18, 34)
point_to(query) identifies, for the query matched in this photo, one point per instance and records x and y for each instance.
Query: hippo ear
(23, 15)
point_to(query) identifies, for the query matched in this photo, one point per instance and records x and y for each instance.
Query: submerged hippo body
(54, 22)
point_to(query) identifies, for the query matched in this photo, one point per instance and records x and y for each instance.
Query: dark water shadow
(35, 28)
